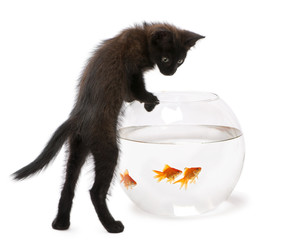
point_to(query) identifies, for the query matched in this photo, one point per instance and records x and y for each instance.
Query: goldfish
(167, 172)
(190, 174)
(127, 180)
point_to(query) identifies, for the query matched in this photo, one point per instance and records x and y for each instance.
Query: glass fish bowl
(183, 158)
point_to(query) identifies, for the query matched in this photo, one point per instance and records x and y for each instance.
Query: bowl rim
(186, 96)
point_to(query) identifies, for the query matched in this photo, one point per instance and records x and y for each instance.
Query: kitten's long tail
(48, 153)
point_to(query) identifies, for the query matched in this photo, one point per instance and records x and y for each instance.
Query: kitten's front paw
(115, 227)
(60, 224)
(150, 98)
(151, 102)
(149, 106)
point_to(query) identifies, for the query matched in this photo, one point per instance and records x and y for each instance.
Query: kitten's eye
(165, 59)
(180, 61)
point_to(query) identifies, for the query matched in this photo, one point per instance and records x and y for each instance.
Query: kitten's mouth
(168, 73)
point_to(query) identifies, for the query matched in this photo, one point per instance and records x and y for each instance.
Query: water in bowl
(217, 150)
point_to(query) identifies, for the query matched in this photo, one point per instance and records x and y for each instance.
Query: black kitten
(113, 74)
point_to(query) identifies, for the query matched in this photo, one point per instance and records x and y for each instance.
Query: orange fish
(128, 181)
(168, 172)
(190, 174)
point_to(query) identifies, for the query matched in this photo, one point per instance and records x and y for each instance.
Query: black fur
(113, 74)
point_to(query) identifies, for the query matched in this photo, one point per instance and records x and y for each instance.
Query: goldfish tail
(183, 182)
(180, 180)
(159, 176)
(158, 172)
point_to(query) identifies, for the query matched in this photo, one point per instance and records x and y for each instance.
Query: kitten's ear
(191, 38)
(161, 36)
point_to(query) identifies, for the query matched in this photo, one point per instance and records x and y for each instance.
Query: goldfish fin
(193, 180)
(126, 172)
(186, 184)
(165, 167)
(169, 180)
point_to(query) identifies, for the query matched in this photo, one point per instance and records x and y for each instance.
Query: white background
(44, 46)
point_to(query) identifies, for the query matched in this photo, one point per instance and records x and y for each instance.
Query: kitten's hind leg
(105, 155)
(77, 155)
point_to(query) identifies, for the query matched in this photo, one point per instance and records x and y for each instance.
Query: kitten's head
(169, 47)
